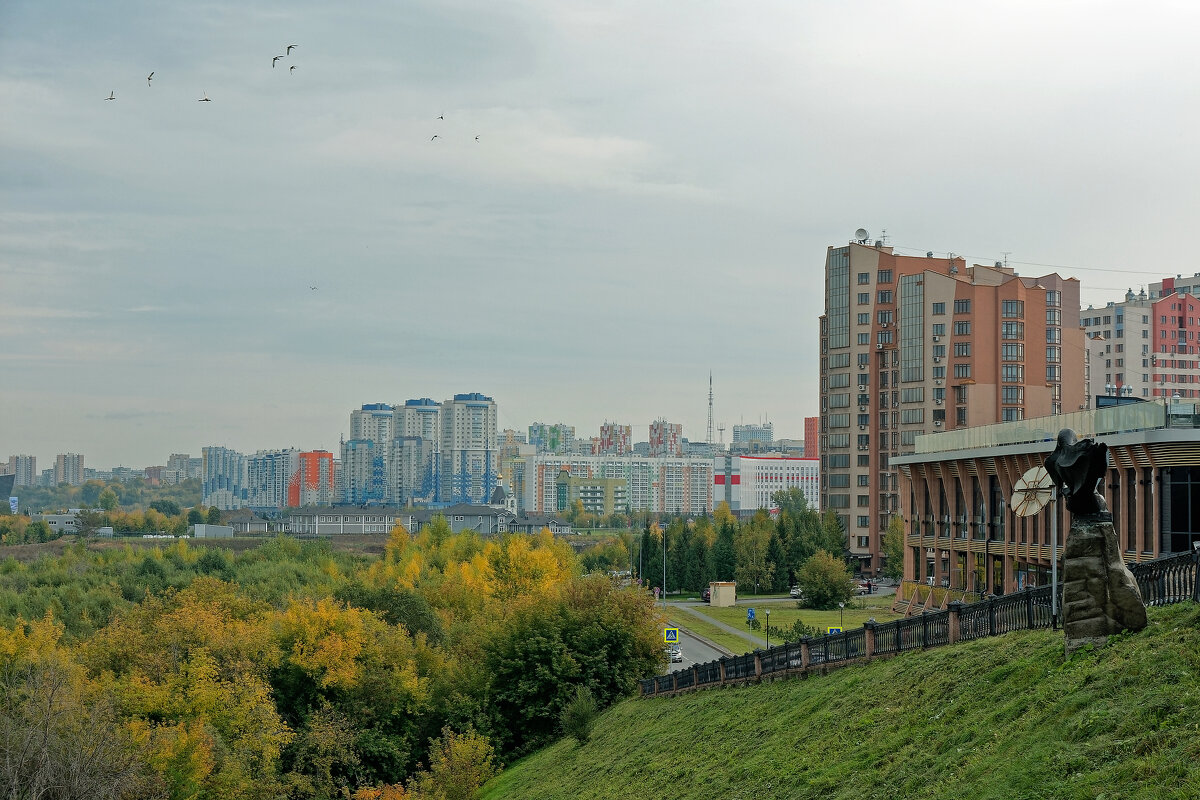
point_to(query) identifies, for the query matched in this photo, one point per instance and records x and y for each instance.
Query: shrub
(579, 715)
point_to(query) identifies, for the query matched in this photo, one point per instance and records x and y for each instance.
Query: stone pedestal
(1100, 596)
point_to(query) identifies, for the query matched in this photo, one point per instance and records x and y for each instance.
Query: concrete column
(956, 606)
(805, 652)
(757, 665)
(869, 637)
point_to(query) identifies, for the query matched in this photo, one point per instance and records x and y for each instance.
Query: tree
(579, 715)
(108, 499)
(893, 549)
(214, 515)
(167, 507)
(459, 764)
(777, 558)
(825, 581)
(753, 569)
(722, 560)
(195, 516)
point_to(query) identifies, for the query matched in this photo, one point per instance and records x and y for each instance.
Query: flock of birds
(112, 95)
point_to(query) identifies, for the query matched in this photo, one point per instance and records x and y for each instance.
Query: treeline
(162, 516)
(293, 671)
(134, 494)
(763, 552)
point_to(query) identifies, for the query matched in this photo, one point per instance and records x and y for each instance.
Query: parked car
(706, 595)
(864, 588)
(796, 592)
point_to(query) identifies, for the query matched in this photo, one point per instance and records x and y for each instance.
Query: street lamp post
(767, 611)
(841, 616)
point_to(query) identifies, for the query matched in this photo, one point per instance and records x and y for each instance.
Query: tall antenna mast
(710, 419)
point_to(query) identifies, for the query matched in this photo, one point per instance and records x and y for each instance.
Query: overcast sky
(622, 197)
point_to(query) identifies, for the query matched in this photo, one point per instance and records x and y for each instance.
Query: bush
(825, 581)
(579, 715)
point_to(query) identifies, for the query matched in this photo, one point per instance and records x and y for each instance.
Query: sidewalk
(688, 607)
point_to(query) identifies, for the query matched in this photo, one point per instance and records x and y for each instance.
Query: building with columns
(956, 488)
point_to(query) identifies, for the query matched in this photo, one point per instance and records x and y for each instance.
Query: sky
(622, 198)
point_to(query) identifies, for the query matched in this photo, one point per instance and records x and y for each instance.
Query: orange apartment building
(913, 345)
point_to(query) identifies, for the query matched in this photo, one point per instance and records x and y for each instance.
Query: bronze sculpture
(1077, 467)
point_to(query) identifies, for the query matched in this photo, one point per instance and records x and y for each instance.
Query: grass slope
(1001, 718)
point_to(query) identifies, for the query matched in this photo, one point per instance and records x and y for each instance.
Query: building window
(962, 328)
(962, 306)
(1053, 373)
(864, 278)
(962, 370)
(885, 276)
(864, 461)
(1053, 316)
(864, 298)
(939, 308)
(962, 349)
(864, 501)
(1012, 330)
(1012, 373)
(864, 338)
(1012, 309)
(1054, 298)
(1012, 395)
(1012, 414)
(864, 480)
(864, 542)
(1054, 335)
(886, 296)
(864, 319)
(939, 329)
(1012, 352)
(884, 317)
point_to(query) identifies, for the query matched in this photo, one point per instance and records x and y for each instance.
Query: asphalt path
(694, 652)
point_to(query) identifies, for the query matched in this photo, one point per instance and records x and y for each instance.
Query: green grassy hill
(1001, 718)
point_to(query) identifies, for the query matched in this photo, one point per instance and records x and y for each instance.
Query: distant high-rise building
(224, 478)
(268, 477)
(915, 345)
(615, 440)
(749, 483)
(24, 468)
(666, 439)
(658, 485)
(362, 474)
(470, 458)
(754, 433)
(374, 421)
(556, 438)
(314, 481)
(410, 477)
(68, 468)
(812, 425)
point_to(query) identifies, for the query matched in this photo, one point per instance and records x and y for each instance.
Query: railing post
(1029, 608)
(805, 652)
(955, 608)
(674, 681)
(695, 677)
(1195, 575)
(869, 638)
(721, 665)
(924, 630)
(757, 664)
(991, 604)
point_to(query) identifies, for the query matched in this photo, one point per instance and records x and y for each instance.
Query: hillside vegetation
(1001, 718)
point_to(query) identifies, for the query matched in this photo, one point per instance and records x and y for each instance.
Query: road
(694, 652)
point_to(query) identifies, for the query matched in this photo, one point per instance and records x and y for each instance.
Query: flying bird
(273, 60)
(148, 77)
(431, 138)
(441, 116)
(205, 99)
(289, 49)
(477, 138)
(314, 288)
(292, 68)
(111, 96)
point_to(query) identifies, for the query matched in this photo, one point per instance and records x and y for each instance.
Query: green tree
(459, 765)
(752, 569)
(195, 516)
(167, 507)
(579, 715)
(722, 559)
(777, 559)
(825, 581)
(108, 499)
(893, 549)
(214, 515)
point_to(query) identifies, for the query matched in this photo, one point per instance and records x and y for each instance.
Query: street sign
(749, 614)
(12, 503)
(655, 592)
(835, 629)
(671, 635)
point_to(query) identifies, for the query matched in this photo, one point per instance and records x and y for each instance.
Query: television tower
(710, 419)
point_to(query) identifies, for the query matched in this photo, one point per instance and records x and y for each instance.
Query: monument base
(1100, 595)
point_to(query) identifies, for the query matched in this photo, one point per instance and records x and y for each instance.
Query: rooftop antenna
(710, 419)
(1006, 254)
(721, 428)
(861, 235)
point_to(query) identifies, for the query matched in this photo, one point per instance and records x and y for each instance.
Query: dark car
(706, 595)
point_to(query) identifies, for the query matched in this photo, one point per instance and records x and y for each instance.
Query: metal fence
(1167, 580)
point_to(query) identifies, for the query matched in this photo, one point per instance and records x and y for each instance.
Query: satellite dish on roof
(862, 235)
(1032, 492)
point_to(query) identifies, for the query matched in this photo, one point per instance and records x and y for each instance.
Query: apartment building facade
(914, 345)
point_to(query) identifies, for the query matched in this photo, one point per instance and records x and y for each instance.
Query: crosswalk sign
(835, 629)
(671, 635)
(749, 614)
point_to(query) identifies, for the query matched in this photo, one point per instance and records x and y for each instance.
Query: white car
(796, 592)
(676, 655)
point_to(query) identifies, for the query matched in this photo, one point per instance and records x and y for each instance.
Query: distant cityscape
(426, 454)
